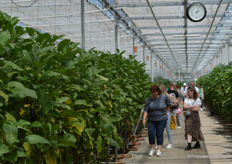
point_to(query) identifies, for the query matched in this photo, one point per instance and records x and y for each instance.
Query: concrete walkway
(216, 149)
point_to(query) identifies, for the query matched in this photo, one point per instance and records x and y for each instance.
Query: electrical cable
(24, 6)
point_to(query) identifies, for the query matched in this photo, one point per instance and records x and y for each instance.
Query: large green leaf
(45, 101)
(11, 133)
(29, 55)
(14, 21)
(67, 140)
(21, 154)
(4, 37)
(3, 149)
(18, 90)
(21, 123)
(13, 65)
(101, 79)
(80, 102)
(100, 144)
(43, 51)
(36, 124)
(115, 118)
(60, 105)
(30, 31)
(5, 96)
(113, 142)
(63, 99)
(36, 139)
(9, 117)
(50, 74)
(64, 43)
(74, 86)
(79, 126)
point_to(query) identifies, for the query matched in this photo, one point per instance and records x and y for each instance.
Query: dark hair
(195, 95)
(176, 87)
(155, 88)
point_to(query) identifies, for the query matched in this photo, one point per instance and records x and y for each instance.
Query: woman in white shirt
(192, 122)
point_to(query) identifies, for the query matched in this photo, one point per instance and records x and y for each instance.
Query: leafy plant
(60, 103)
(218, 91)
(160, 80)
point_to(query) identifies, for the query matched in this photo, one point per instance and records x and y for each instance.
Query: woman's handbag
(186, 112)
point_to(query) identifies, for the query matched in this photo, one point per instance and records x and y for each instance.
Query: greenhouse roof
(160, 27)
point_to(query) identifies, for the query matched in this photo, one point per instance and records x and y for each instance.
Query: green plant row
(160, 80)
(218, 90)
(59, 103)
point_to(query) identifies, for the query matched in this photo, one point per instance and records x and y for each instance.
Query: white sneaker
(201, 109)
(152, 151)
(169, 146)
(179, 127)
(159, 153)
(156, 146)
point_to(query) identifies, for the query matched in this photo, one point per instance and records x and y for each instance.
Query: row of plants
(218, 90)
(59, 103)
(161, 80)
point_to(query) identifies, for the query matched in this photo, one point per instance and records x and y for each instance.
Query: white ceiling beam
(162, 3)
(165, 17)
(170, 34)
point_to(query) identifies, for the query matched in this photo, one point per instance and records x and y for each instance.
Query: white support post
(152, 79)
(226, 54)
(116, 32)
(133, 42)
(83, 24)
(221, 56)
(229, 53)
(144, 58)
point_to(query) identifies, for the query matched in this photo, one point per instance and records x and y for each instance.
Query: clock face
(196, 12)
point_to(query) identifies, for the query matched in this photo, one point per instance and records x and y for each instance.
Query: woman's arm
(186, 106)
(196, 108)
(144, 118)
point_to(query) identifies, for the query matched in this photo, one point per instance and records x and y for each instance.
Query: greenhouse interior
(68, 66)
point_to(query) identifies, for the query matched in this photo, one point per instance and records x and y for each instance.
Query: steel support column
(152, 79)
(83, 24)
(133, 42)
(156, 70)
(116, 33)
(144, 53)
(229, 53)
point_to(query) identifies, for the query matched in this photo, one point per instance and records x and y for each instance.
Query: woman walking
(168, 129)
(192, 122)
(156, 108)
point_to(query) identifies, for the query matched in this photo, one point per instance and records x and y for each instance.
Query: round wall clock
(196, 12)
